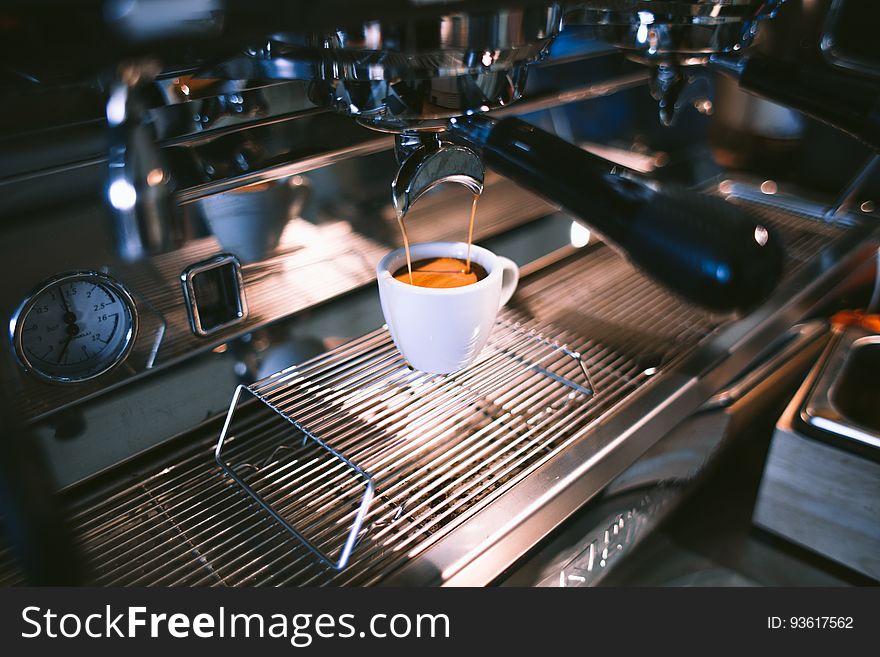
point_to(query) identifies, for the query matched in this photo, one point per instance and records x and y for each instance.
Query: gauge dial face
(75, 327)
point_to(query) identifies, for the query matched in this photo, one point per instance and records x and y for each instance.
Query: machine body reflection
(194, 206)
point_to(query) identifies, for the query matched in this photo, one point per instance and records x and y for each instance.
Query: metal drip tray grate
(441, 451)
(332, 434)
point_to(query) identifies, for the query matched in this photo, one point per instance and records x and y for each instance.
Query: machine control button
(214, 293)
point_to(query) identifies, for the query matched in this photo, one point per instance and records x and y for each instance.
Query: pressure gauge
(74, 327)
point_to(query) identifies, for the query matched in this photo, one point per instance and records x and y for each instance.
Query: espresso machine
(196, 194)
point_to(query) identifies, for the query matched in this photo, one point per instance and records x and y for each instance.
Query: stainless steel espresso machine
(197, 385)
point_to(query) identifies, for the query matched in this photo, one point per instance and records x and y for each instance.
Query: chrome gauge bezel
(21, 313)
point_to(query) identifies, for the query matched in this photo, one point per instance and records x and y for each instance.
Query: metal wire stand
(314, 412)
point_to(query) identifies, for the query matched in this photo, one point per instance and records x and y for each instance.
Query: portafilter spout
(427, 159)
(673, 34)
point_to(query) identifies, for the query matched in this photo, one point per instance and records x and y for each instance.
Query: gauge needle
(64, 348)
(68, 317)
(63, 300)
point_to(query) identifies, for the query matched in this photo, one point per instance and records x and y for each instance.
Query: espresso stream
(455, 277)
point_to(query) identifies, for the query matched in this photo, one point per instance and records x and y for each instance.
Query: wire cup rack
(337, 428)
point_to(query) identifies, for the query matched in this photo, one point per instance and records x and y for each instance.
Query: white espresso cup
(442, 330)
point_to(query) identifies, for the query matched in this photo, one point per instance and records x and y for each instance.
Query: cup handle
(509, 279)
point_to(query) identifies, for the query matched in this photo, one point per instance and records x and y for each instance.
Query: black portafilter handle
(702, 248)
